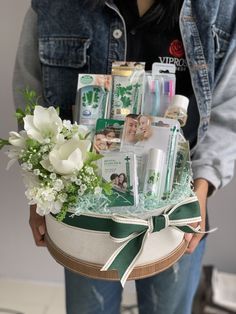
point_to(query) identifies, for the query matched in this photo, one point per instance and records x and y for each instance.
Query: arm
(27, 70)
(213, 161)
(27, 73)
(215, 156)
(201, 189)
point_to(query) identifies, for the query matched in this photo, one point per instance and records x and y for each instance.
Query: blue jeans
(170, 292)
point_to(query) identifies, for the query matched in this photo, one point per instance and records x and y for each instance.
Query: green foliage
(31, 100)
(107, 187)
(61, 216)
(91, 157)
(32, 144)
(3, 143)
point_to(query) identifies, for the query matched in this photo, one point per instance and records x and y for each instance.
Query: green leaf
(61, 216)
(58, 110)
(87, 135)
(91, 157)
(107, 187)
(19, 114)
(3, 143)
(32, 143)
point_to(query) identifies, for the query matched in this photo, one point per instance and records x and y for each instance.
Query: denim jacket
(74, 39)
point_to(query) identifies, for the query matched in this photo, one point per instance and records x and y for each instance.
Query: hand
(38, 226)
(201, 190)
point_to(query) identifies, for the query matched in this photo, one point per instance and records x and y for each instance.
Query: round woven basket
(85, 252)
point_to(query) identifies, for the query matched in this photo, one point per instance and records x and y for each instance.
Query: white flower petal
(17, 139)
(76, 158)
(68, 157)
(42, 211)
(46, 164)
(47, 119)
(61, 166)
(31, 130)
(84, 146)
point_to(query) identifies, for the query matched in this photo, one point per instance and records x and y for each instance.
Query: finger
(188, 236)
(38, 234)
(193, 243)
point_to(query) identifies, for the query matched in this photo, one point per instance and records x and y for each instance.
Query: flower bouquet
(62, 177)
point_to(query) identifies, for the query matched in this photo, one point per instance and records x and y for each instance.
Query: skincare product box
(92, 100)
(121, 170)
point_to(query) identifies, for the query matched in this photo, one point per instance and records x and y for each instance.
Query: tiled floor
(21, 297)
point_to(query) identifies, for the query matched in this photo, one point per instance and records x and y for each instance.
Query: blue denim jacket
(75, 39)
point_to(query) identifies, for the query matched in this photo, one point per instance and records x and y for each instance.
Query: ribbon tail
(190, 229)
(125, 257)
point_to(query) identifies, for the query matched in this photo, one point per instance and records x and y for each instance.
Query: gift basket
(115, 185)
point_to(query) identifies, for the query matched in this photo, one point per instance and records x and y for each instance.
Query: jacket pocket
(221, 41)
(62, 59)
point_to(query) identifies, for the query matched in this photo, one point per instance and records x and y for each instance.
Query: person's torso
(74, 39)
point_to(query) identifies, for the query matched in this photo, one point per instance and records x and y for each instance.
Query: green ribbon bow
(132, 232)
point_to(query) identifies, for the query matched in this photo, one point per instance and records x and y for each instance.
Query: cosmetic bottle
(153, 175)
(178, 109)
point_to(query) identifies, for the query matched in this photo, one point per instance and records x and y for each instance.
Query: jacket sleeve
(27, 70)
(215, 155)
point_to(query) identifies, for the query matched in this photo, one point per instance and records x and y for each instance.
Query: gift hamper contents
(93, 97)
(122, 167)
(127, 88)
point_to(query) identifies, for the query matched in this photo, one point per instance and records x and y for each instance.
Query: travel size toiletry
(127, 88)
(153, 173)
(92, 101)
(178, 109)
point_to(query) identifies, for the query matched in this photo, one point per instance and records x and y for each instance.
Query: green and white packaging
(154, 172)
(127, 88)
(159, 133)
(121, 170)
(93, 97)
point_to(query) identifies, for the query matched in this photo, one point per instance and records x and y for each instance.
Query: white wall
(19, 258)
(18, 255)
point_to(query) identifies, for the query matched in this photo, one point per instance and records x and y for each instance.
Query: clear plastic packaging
(178, 109)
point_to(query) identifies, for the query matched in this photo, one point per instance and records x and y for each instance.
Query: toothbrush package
(159, 89)
(127, 88)
(141, 134)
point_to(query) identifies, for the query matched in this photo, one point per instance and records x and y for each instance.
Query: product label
(152, 186)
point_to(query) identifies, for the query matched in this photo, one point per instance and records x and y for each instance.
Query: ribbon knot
(167, 220)
(150, 225)
(132, 233)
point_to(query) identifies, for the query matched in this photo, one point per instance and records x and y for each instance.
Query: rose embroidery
(176, 49)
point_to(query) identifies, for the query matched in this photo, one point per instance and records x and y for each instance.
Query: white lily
(69, 156)
(44, 124)
(18, 139)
